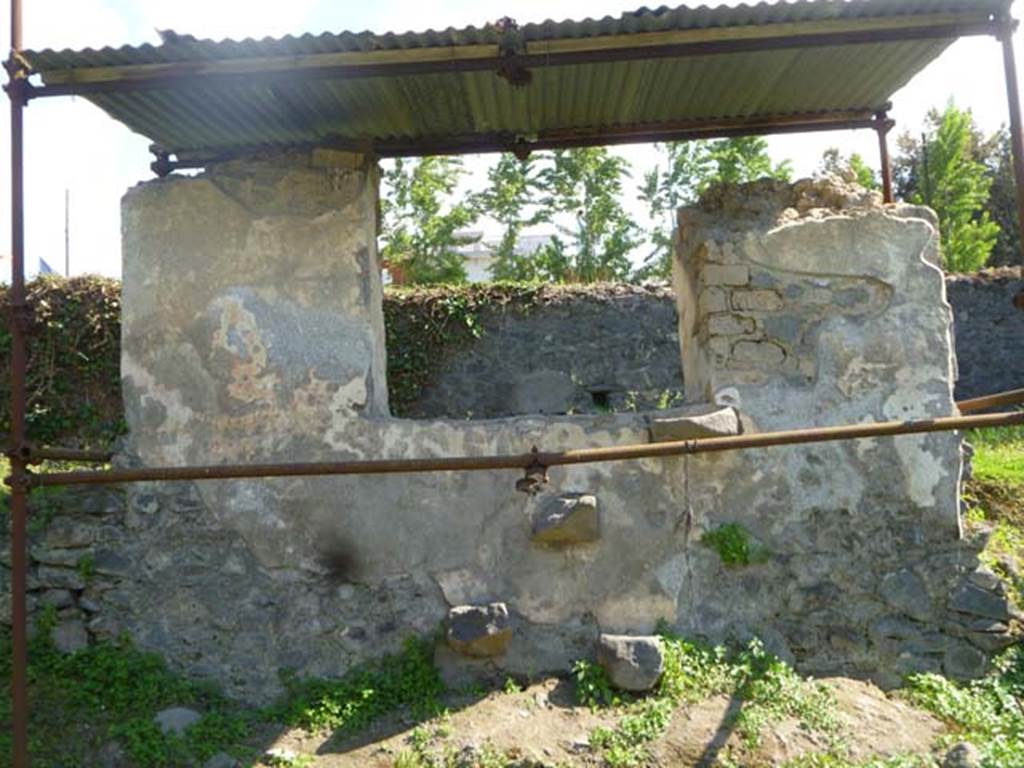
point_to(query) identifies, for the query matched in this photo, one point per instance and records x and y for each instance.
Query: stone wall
(861, 567)
(613, 347)
(989, 331)
(585, 349)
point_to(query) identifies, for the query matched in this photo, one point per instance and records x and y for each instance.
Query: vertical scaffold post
(1006, 32)
(882, 126)
(18, 319)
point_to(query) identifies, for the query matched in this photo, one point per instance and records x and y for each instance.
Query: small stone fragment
(962, 755)
(570, 518)
(631, 663)
(176, 719)
(70, 636)
(479, 630)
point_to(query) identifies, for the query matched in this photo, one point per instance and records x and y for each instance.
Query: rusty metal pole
(18, 319)
(1006, 31)
(882, 126)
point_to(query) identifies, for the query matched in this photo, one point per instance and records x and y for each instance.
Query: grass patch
(364, 694)
(998, 454)
(110, 692)
(989, 712)
(767, 689)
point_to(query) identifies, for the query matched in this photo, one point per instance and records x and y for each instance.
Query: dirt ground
(541, 727)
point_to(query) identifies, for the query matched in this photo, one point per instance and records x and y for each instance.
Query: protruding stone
(631, 663)
(973, 600)
(176, 719)
(905, 591)
(70, 636)
(962, 755)
(479, 630)
(963, 662)
(692, 423)
(570, 518)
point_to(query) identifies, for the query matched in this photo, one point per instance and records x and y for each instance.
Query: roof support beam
(615, 135)
(213, 74)
(1016, 127)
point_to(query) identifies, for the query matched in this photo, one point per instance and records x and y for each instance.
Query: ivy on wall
(74, 390)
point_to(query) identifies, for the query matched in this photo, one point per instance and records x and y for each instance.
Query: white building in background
(480, 253)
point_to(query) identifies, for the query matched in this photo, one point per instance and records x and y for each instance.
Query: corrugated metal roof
(206, 117)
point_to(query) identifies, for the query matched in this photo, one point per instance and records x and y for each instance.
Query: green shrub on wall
(74, 391)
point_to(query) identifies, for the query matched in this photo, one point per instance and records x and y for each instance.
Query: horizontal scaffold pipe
(1013, 397)
(531, 460)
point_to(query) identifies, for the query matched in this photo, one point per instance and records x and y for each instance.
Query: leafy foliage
(942, 170)
(690, 169)
(586, 184)
(420, 224)
(366, 693)
(511, 200)
(734, 546)
(74, 377)
(113, 690)
(117, 690)
(988, 713)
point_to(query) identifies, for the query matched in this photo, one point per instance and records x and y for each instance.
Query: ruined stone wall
(989, 331)
(859, 566)
(583, 349)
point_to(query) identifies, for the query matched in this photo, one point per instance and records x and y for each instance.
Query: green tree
(943, 171)
(586, 186)
(420, 227)
(690, 168)
(835, 163)
(1002, 201)
(511, 200)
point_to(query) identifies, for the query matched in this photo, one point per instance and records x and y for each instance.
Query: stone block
(756, 301)
(758, 353)
(570, 518)
(725, 274)
(905, 591)
(176, 720)
(962, 755)
(730, 325)
(542, 392)
(70, 636)
(975, 601)
(479, 631)
(631, 663)
(963, 661)
(686, 424)
(55, 577)
(68, 534)
(713, 300)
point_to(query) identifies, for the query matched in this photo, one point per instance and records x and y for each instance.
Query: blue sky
(72, 145)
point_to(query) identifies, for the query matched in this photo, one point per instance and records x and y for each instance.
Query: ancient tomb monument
(253, 333)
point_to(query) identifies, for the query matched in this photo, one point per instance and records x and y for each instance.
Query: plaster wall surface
(252, 332)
